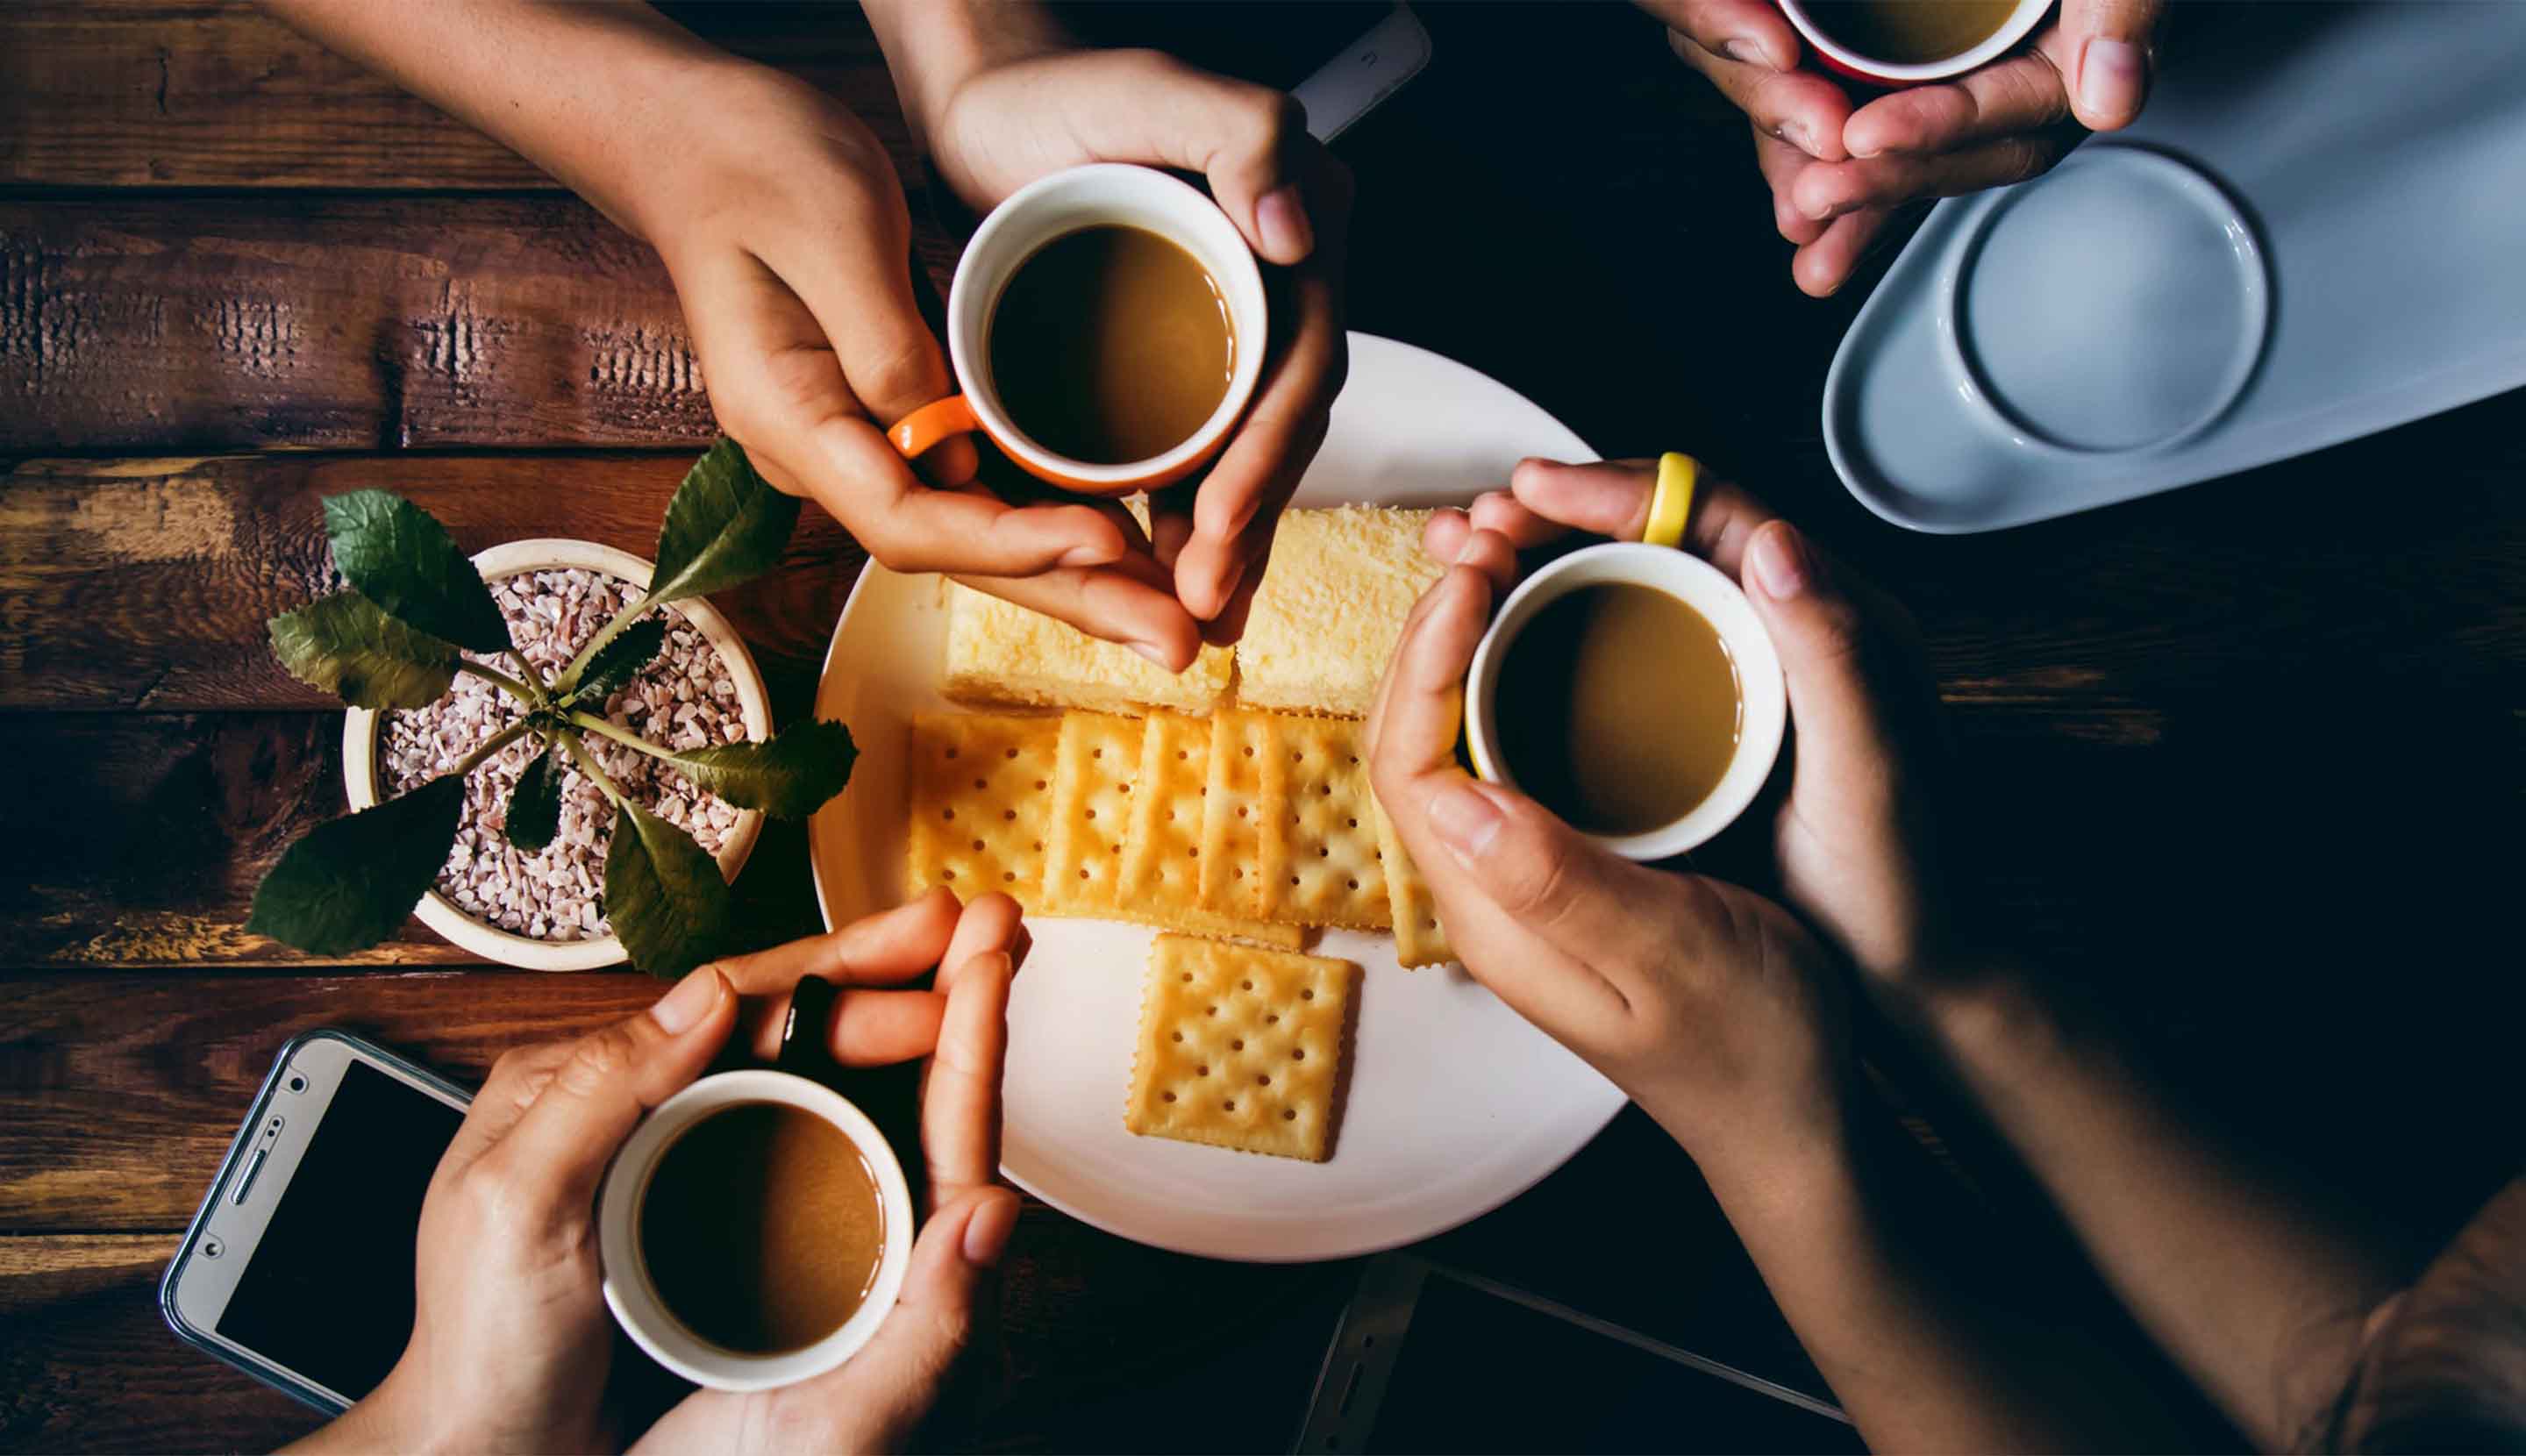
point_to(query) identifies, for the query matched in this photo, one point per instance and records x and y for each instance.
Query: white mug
(1102, 194)
(1707, 590)
(633, 1298)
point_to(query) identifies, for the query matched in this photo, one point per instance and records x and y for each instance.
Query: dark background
(2241, 759)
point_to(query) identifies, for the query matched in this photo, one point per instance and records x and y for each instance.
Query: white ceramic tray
(1454, 1104)
(2317, 232)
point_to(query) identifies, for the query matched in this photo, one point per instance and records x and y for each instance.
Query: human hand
(874, 1400)
(1838, 174)
(1715, 1009)
(511, 1341)
(784, 231)
(1851, 842)
(1007, 101)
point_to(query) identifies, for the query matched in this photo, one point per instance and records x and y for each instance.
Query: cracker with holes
(1244, 789)
(1093, 764)
(1418, 938)
(1319, 835)
(1239, 1047)
(1160, 879)
(980, 789)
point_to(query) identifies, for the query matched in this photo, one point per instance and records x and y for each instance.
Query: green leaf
(398, 556)
(345, 644)
(619, 661)
(664, 895)
(724, 524)
(348, 883)
(534, 805)
(790, 777)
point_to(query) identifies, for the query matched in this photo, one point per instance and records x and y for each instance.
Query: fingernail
(1779, 561)
(1466, 553)
(681, 1009)
(1154, 653)
(987, 1232)
(1464, 821)
(1743, 50)
(1282, 220)
(2109, 80)
(1087, 556)
(1801, 138)
(1821, 212)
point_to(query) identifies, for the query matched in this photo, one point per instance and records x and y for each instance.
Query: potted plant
(562, 670)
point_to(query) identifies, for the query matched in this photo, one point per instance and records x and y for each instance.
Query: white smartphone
(298, 1269)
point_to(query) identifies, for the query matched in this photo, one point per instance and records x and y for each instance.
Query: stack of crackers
(1228, 805)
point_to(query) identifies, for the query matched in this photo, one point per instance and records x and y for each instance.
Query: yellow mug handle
(1671, 504)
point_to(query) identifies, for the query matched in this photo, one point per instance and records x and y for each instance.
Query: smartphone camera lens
(297, 1084)
(212, 1248)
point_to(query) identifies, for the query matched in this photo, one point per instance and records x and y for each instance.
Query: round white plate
(1453, 1104)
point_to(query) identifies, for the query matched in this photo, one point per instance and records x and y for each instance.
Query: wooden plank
(146, 583)
(156, 828)
(86, 1364)
(200, 93)
(321, 322)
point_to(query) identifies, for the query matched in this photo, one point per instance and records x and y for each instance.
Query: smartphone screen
(328, 1289)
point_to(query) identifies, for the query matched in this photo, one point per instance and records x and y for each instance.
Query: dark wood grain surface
(2245, 759)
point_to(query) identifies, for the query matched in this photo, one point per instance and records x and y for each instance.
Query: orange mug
(1103, 194)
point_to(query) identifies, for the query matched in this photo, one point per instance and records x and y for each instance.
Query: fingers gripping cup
(1630, 688)
(756, 1228)
(1106, 328)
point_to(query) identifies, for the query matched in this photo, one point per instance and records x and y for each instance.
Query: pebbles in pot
(686, 698)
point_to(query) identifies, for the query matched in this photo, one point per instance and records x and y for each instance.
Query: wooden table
(2245, 756)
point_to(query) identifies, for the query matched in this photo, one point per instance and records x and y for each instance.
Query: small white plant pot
(360, 731)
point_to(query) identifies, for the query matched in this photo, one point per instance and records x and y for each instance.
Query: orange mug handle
(924, 430)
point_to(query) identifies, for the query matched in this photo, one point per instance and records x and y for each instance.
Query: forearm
(587, 92)
(2255, 1286)
(1929, 1339)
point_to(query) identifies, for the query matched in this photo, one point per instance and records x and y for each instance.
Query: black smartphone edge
(238, 1146)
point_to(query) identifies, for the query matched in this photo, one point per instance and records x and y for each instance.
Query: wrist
(934, 47)
(1781, 1131)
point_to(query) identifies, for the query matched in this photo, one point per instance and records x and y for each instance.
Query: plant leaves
(664, 895)
(619, 661)
(345, 644)
(534, 805)
(398, 556)
(347, 883)
(726, 524)
(790, 777)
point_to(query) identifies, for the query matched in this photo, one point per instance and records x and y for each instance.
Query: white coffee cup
(1877, 71)
(1102, 194)
(633, 1298)
(1761, 690)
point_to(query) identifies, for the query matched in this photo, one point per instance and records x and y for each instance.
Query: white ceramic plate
(1454, 1106)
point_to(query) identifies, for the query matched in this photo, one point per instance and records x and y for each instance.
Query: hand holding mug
(1850, 842)
(1003, 100)
(1837, 172)
(1715, 1009)
(511, 1341)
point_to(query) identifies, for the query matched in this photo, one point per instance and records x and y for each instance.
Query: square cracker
(1095, 761)
(1245, 791)
(999, 652)
(978, 790)
(1160, 880)
(1239, 1047)
(1418, 938)
(1327, 616)
(1319, 836)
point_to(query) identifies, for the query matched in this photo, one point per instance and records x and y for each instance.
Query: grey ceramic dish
(2317, 232)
